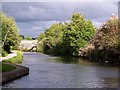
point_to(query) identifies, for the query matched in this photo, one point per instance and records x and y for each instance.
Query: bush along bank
(80, 38)
(16, 59)
(106, 43)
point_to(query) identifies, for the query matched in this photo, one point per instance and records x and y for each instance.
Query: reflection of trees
(83, 73)
(111, 82)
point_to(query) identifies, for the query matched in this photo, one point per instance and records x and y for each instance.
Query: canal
(59, 72)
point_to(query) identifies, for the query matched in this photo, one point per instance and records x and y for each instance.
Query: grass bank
(17, 59)
(6, 67)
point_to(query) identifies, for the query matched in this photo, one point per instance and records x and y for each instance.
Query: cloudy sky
(34, 17)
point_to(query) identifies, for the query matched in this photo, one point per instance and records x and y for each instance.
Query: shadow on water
(85, 62)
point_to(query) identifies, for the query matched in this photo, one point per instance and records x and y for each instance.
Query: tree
(106, 40)
(68, 38)
(107, 35)
(40, 45)
(10, 35)
(77, 34)
(28, 38)
(41, 36)
(22, 37)
(53, 38)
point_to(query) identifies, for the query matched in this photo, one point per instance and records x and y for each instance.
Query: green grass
(6, 67)
(15, 60)
(4, 54)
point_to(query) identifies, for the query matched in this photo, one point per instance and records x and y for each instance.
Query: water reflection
(59, 72)
(85, 62)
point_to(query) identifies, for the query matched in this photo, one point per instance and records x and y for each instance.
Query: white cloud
(96, 23)
(34, 28)
(49, 23)
(33, 18)
(58, 11)
(31, 31)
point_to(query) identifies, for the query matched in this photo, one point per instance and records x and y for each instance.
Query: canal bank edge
(14, 74)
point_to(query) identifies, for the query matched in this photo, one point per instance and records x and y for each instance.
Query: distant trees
(51, 39)
(28, 38)
(22, 37)
(10, 36)
(41, 36)
(78, 37)
(68, 38)
(40, 46)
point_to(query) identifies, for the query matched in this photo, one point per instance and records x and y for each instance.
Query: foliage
(53, 37)
(107, 35)
(106, 41)
(28, 38)
(22, 37)
(40, 47)
(77, 33)
(79, 37)
(40, 44)
(10, 36)
(17, 59)
(67, 38)
(49, 41)
(4, 53)
(41, 36)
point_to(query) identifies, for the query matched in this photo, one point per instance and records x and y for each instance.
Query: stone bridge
(28, 45)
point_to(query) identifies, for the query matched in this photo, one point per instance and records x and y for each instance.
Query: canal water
(64, 72)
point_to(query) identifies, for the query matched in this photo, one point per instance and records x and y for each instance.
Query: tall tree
(77, 33)
(10, 35)
(68, 38)
(53, 38)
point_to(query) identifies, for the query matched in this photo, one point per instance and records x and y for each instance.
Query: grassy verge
(6, 67)
(15, 60)
(4, 54)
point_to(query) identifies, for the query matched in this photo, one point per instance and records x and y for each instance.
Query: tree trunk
(7, 48)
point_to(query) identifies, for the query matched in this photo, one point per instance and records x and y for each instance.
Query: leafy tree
(28, 38)
(106, 40)
(107, 35)
(41, 36)
(68, 38)
(77, 34)
(53, 38)
(10, 36)
(40, 44)
(22, 37)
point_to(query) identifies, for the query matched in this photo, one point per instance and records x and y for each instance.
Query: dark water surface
(57, 72)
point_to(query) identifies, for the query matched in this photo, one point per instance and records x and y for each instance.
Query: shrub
(28, 38)
(17, 59)
(4, 53)
(106, 41)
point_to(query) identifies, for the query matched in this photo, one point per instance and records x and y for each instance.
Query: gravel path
(14, 53)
